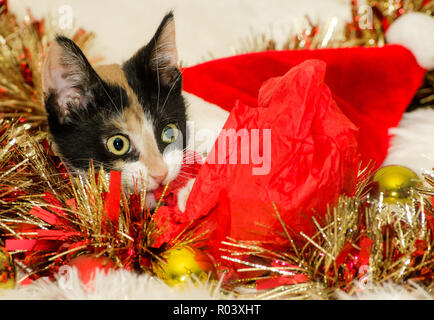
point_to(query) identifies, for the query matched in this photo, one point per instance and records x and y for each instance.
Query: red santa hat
(328, 109)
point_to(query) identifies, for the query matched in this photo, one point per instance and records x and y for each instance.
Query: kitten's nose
(159, 178)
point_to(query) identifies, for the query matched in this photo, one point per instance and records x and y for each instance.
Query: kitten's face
(129, 118)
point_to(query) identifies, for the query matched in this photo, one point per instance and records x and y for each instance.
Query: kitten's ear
(68, 76)
(164, 55)
(160, 54)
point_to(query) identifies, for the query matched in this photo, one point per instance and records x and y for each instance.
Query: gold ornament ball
(182, 264)
(395, 183)
(7, 270)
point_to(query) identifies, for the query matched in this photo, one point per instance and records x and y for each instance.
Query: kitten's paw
(183, 194)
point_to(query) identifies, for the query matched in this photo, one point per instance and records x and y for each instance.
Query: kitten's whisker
(158, 75)
(186, 173)
(187, 177)
(188, 154)
(190, 158)
(105, 91)
(96, 162)
(170, 91)
(188, 162)
(187, 165)
(120, 94)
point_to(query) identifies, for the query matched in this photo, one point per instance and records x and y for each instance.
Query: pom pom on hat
(415, 31)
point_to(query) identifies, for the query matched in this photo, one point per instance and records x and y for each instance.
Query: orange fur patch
(133, 122)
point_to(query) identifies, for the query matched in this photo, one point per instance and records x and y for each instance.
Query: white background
(203, 26)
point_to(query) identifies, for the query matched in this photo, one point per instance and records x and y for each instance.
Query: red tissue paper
(312, 160)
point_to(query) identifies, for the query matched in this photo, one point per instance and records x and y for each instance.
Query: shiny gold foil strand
(428, 189)
(406, 225)
(19, 42)
(24, 42)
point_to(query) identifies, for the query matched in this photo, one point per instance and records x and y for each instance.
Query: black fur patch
(81, 138)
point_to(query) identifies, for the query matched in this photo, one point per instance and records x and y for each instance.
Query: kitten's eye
(169, 133)
(118, 145)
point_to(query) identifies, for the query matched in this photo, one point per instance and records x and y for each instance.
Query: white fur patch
(173, 159)
(183, 194)
(137, 174)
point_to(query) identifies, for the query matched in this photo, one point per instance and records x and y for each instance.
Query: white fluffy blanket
(124, 285)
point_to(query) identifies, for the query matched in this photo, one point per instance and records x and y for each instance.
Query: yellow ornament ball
(7, 270)
(395, 183)
(182, 264)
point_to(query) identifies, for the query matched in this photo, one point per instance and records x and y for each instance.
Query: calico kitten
(129, 117)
